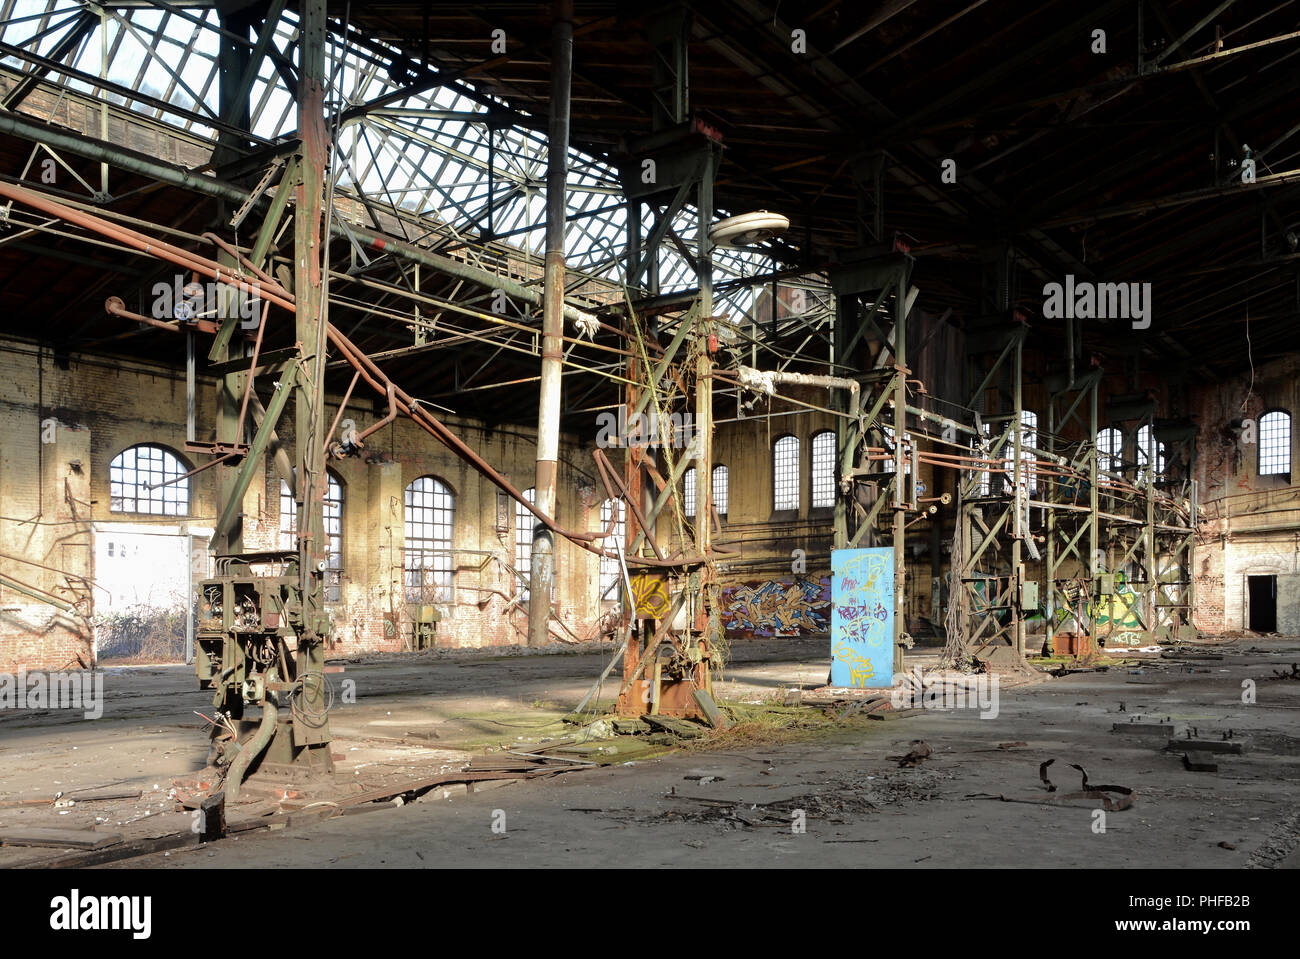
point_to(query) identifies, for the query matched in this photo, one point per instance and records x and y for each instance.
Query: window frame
(440, 490)
(334, 505)
(1284, 451)
(1143, 462)
(1110, 460)
(1028, 437)
(786, 474)
(827, 484)
(523, 531)
(720, 502)
(170, 466)
(610, 572)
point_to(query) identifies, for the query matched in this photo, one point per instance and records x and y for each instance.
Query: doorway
(1263, 603)
(145, 577)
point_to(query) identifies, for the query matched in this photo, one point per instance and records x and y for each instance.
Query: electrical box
(424, 620)
(1107, 584)
(1028, 596)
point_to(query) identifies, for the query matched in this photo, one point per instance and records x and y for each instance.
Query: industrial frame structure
(670, 325)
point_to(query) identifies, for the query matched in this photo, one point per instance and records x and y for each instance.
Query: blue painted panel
(862, 617)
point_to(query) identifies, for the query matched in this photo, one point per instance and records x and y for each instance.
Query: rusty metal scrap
(1113, 798)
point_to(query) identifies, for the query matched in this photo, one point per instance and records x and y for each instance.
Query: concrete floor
(859, 806)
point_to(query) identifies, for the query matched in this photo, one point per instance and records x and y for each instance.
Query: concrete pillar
(548, 416)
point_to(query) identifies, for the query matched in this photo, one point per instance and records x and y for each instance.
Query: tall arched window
(1145, 443)
(979, 451)
(1110, 450)
(688, 493)
(823, 469)
(721, 478)
(785, 473)
(430, 510)
(1028, 437)
(1275, 443)
(333, 532)
(612, 512)
(524, 522)
(147, 479)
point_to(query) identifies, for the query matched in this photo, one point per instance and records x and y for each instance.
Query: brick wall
(51, 493)
(1252, 522)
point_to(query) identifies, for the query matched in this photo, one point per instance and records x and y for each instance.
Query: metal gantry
(413, 172)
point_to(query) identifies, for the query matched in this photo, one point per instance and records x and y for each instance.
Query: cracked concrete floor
(739, 806)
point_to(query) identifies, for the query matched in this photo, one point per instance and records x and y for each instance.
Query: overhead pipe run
(132, 162)
(355, 357)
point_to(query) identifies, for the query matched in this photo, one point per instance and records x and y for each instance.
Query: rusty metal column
(548, 415)
(704, 366)
(309, 396)
(900, 469)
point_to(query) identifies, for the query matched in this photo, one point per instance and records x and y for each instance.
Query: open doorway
(144, 604)
(1263, 603)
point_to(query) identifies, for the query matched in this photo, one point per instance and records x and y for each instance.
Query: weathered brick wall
(51, 493)
(1252, 524)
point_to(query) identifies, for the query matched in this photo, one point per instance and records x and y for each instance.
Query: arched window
(688, 493)
(333, 532)
(147, 479)
(1028, 437)
(524, 522)
(1275, 443)
(785, 473)
(1145, 443)
(719, 487)
(1110, 450)
(430, 510)
(613, 512)
(823, 469)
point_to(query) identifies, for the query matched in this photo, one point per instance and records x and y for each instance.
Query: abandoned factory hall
(731, 434)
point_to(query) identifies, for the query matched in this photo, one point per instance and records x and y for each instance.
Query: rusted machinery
(250, 617)
(670, 653)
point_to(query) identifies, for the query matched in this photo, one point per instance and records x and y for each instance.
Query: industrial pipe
(373, 376)
(254, 747)
(133, 162)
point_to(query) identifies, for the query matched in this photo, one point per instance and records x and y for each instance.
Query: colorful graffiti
(1114, 617)
(650, 595)
(777, 607)
(862, 617)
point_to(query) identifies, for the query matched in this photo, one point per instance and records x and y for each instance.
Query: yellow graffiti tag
(860, 668)
(650, 595)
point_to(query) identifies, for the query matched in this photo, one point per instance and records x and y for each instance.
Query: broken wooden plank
(212, 817)
(630, 726)
(58, 838)
(126, 850)
(678, 727)
(99, 795)
(717, 718)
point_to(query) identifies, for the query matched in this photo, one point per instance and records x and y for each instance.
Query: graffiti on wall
(777, 607)
(1114, 616)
